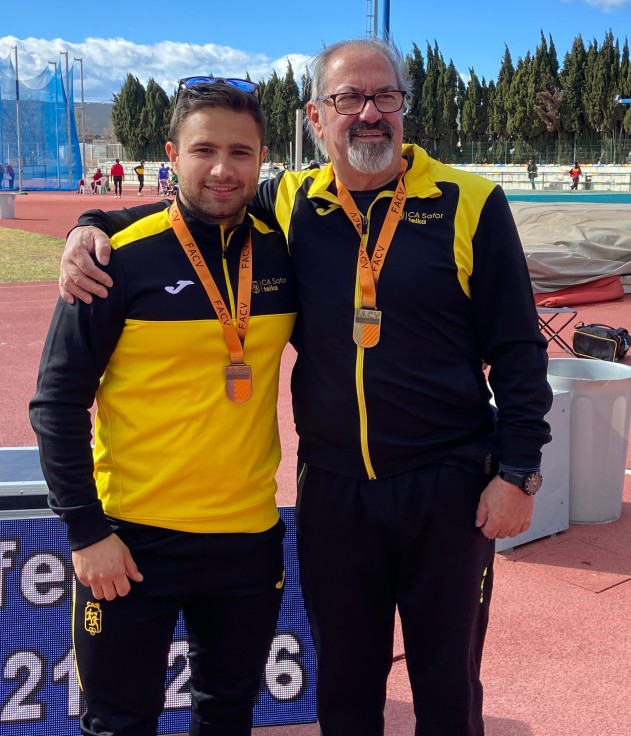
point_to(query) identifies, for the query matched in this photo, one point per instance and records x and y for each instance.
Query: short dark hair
(216, 95)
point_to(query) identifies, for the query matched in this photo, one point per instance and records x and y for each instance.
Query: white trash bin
(599, 434)
(7, 205)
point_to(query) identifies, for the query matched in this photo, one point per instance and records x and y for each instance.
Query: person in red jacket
(117, 173)
(575, 173)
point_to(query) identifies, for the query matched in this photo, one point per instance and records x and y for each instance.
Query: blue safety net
(46, 153)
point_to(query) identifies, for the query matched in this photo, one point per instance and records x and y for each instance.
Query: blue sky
(169, 40)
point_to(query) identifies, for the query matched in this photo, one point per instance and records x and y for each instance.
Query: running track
(559, 644)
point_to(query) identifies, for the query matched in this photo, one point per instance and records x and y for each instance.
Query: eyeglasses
(352, 103)
(188, 82)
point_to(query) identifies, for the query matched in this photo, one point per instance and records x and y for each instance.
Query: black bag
(600, 342)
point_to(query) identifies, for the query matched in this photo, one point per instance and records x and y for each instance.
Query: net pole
(17, 117)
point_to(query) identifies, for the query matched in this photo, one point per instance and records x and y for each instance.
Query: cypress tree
(286, 102)
(471, 108)
(412, 122)
(155, 118)
(126, 117)
(520, 104)
(572, 80)
(499, 115)
(429, 100)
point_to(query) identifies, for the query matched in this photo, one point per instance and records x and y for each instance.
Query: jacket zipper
(224, 260)
(359, 361)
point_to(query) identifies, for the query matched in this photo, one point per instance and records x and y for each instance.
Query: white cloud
(107, 61)
(607, 5)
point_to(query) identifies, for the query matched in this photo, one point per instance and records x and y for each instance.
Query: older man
(411, 276)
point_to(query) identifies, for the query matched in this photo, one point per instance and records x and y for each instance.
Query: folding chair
(554, 319)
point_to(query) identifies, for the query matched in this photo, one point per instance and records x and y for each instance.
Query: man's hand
(504, 510)
(79, 275)
(107, 567)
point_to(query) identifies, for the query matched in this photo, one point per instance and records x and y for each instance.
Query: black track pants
(227, 586)
(410, 541)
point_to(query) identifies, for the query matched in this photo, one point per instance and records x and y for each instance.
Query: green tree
(451, 92)
(412, 122)
(429, 117)
(499, 115)
(625, 86)
(471, 123)
(268, 96)
(286, 102)
(572, 79)
(126, 117)
(154, 119)
(520, 103)
(308, 148)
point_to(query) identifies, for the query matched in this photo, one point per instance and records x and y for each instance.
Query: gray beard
(370, 158)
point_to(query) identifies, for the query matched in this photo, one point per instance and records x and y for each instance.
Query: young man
(117, 173)
(410, 276)
(575, 174)
(163, 179)
(532, 173)
(10, 175)
(140, 174)
(175, 509)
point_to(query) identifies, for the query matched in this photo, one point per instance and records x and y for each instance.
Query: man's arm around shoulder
(79, 274)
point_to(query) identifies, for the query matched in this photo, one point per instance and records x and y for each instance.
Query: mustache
(381, 125)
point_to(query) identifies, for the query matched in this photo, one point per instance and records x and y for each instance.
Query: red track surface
(559, 645)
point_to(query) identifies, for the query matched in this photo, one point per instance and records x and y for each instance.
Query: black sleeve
(263, 206)
(113, 221)
(79, 344)
(507, 330)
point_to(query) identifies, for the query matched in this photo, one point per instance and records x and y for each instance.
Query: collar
(204, 231)
(417, 178)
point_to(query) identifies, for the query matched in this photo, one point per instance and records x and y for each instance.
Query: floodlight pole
(68, 98)
(17, 117)
(83, 169)
(54, 65)
(386, 20)
(298, 159)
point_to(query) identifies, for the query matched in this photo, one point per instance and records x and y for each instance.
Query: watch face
(532, 483)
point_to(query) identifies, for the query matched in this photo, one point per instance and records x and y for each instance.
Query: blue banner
(39, 691)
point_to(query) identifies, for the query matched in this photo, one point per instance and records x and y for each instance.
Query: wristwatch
(529, 483)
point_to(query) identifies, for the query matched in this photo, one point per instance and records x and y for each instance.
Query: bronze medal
(238, 382)
(366, 327)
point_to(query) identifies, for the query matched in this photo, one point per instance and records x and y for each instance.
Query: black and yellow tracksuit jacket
(454, 291)
(171, 450)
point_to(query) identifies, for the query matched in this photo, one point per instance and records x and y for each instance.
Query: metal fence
(609, 151)
(557, 178)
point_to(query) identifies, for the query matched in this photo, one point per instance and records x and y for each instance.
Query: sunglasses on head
(188, 82)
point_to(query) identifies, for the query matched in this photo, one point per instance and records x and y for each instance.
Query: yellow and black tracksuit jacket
(171, 450)
(454, 292)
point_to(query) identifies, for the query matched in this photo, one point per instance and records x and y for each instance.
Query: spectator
(140, 173)
(532, 173)
(575, 173)
(10, 173)
(117, 172)
(98, 180)
(163, 179)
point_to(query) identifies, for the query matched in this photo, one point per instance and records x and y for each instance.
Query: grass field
(28, 256)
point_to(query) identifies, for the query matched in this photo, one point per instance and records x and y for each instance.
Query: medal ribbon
(370, 268)
(234, 336)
